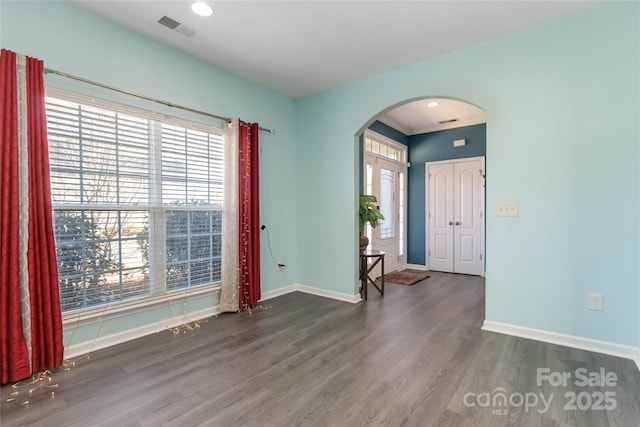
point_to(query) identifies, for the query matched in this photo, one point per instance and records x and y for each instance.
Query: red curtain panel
(249, 216)
(13, 346)
(31, 318)
(46, 316)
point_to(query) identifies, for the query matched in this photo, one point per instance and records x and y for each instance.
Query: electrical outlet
(595, 302)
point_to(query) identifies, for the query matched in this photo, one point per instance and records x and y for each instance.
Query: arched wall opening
(428, 131)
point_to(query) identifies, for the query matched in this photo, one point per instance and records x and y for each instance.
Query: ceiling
(302, 47)
(417, 117)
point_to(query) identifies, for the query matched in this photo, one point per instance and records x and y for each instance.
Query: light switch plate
(507, 209)
(595, 302)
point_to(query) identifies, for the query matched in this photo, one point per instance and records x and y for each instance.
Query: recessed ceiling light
(432, 104)
(201, 8)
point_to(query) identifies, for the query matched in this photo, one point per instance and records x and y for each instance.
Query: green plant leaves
(369, 211)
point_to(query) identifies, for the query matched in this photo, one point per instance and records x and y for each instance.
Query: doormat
(404, 277)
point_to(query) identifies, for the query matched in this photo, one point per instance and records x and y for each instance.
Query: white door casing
(455, 206)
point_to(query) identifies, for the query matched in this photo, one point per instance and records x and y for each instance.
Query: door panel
(387, 240)
(466, 249)
(468, 207)
(442, 251)
(386, 235)
(441, 217)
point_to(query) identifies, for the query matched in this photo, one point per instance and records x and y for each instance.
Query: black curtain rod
(159, 101)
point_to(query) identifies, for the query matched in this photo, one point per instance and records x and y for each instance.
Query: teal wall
(431, 147)
(74, 41)
(562, 102)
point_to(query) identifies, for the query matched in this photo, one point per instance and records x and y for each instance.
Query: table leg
(382, 279)
(363, 278)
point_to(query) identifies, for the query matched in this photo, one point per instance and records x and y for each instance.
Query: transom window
(382, 150)
(137, 202)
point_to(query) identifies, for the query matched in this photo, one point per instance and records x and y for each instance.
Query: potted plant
(369, 213)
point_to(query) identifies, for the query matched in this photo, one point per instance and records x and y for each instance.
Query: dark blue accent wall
(431, 147)
(389, 132)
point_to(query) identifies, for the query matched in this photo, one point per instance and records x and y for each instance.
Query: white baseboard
(131, 334)
(329, 294)
(604, 347)
(276, 293)
(417, 267)
(313, 291)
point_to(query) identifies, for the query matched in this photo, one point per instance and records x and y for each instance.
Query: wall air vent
(444, 122)
(177, 26)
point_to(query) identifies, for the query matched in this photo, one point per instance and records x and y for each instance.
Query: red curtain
(31, 319)
(249, 216)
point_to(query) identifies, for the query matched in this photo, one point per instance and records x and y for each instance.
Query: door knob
(450, 222)
(457, 222)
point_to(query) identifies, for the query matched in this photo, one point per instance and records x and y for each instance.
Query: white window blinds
(137, 202)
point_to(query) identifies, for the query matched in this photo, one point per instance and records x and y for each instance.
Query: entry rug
(405, 277)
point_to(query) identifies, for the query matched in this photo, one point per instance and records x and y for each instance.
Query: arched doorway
(438, 131)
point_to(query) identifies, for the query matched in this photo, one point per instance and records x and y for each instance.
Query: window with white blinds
(137, 202)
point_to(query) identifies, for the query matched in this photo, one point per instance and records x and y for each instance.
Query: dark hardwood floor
(415, 357)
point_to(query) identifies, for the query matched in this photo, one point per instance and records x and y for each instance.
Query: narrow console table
(366, 269)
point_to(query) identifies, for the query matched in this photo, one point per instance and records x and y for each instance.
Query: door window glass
(387, 204)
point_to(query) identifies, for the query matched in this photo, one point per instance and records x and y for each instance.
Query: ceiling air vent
(444, 122)
(177, 26)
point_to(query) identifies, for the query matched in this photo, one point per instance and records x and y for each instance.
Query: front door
(386, 189)
(384, 177)
(456, 216)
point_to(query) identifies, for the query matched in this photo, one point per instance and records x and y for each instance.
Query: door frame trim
(482, 160)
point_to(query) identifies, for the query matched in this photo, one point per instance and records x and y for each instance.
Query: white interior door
(440, 221)
(468, 222)
(456, 216)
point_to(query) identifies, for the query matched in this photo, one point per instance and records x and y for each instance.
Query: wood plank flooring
(415, 357)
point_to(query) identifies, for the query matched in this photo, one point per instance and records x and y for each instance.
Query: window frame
(159, 294)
